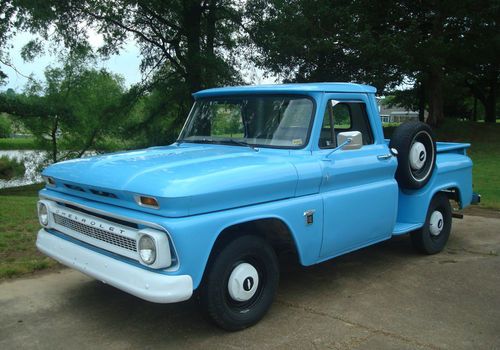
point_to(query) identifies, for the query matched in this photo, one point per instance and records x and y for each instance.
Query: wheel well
(453, 193)
(275, 231)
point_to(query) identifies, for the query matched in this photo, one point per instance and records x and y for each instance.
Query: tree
(187, 43)
(479, 46)
(382, 43)
(321, 41)
(5, 126)
(72, 110)
(7, 11)
(193, 37)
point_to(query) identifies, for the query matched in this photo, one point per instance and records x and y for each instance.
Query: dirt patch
(483, 212)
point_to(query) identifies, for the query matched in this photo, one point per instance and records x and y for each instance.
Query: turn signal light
(146, 201)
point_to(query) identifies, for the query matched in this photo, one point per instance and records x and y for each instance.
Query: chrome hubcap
(418, 155)
(436, 223)
(243, 282)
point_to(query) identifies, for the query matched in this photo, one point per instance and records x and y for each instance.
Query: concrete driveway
(382, 297)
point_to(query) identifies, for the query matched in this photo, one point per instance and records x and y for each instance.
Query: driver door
(360, 194)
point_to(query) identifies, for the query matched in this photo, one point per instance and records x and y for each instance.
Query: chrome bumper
(145, 284)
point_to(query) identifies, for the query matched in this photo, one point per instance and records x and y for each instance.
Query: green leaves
(32, 49)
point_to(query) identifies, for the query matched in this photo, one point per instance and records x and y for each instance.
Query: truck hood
(186, 180)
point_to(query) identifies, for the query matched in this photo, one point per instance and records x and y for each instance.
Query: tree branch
(140, 35)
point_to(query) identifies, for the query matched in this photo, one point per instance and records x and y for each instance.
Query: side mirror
(356, 140)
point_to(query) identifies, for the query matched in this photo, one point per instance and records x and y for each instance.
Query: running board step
(404, 227)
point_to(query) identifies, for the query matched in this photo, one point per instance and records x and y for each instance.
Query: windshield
(268, 121)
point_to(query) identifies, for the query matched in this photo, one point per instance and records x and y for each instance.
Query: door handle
(384, 156)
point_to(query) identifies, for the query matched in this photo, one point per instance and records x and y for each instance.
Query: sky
(126, 63)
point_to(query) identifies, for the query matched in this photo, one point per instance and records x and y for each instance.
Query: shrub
(11, 168)
(5, 127)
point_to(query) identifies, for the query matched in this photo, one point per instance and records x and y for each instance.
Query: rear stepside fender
(453, 174)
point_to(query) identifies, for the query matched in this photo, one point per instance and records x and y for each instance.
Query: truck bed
(447, 147)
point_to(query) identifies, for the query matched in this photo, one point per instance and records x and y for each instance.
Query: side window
(344, 116)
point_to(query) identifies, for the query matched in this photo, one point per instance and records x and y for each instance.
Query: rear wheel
(241, 283)
(433, 236)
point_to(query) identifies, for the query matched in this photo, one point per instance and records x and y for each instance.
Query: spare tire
(416, 146)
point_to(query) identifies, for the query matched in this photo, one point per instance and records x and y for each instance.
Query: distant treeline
(435, 56)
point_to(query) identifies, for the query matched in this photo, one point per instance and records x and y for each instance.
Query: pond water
(33, 162)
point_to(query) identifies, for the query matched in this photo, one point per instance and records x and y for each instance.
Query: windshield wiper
(207, 140)
(241, 143)
(203, 140)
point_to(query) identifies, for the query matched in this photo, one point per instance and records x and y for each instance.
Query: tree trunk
(491, 100)
(435, 84)
(421, 102)
(53, 138)
(192, 28)
(487, 95)
(490, 109)
(474, 111)
(210, 65)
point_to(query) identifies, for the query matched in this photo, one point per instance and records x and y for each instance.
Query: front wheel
(240, 283)
(433, 236)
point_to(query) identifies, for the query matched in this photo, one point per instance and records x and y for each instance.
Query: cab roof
(286, 88)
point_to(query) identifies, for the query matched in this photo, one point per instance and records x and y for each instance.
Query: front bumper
(145, 284)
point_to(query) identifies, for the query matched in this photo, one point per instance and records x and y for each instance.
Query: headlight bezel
(147, 243)
(43, 217)
(163, 257)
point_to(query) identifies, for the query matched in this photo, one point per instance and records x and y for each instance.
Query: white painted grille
(96, 233)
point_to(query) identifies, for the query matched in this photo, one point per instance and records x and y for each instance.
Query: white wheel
(418, 156)
(243, 282)
(436, 223)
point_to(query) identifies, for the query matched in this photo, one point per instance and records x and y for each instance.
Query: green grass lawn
(18, 228)
(17, 143)
(485, 153)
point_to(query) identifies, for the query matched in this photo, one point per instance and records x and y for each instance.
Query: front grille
(105, 236)
(107, 218)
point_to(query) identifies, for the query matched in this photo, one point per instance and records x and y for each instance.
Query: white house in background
(396, 114)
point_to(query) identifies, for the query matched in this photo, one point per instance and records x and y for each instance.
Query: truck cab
(255, 170)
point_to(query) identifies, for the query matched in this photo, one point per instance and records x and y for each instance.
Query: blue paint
(205, 188)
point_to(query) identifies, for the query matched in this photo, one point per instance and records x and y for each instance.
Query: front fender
(195, 236)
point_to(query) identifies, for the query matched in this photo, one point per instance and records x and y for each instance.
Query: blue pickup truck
(256, 170)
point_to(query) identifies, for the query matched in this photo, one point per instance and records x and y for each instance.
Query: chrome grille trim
(62, 200)
(105, 236)
(107, 213)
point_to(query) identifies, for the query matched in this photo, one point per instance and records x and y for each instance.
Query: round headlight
(147, 249)
(43, 214)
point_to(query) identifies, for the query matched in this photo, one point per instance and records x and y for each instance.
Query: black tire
(215, 297)
(414, 172)
(425, 239)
